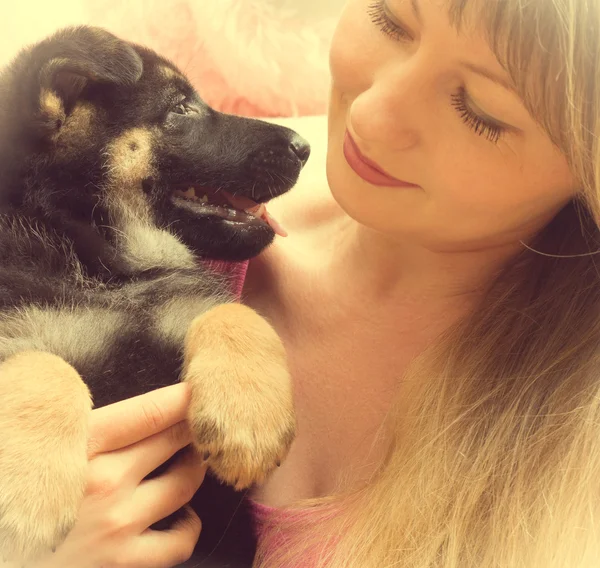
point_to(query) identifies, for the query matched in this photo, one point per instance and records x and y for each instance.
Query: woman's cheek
(352, 57)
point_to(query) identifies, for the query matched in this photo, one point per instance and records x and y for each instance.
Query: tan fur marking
(43, 419)
(242, 408)
(76, 130)
(173, 319)
(144, 246)
(129, 163)
(169, 73)
(130, 159)
(66, 332)
(80, 120)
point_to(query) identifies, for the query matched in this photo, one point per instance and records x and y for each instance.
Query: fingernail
(278, 463)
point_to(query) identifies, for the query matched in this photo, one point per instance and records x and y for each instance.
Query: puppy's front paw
(242, 409)
(44, 411)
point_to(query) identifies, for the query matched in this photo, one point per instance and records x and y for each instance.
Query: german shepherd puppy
(116, 180)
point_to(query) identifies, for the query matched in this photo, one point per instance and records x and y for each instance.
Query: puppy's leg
(242, 409)
(44, 410)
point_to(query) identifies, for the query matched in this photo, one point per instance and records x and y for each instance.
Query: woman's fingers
(123, 470)
(124, 423)
(157, 498)
(147, 455)
(164, 549)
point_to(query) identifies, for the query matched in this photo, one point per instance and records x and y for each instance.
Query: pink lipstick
(367, 169)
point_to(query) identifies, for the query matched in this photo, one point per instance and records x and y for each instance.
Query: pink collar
(235, 272)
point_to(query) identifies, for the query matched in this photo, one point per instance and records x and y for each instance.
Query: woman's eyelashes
(481, 126)
(380, 16)
(490, 129)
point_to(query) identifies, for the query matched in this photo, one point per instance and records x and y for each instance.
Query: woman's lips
(368, 170)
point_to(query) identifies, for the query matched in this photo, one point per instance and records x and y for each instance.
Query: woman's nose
(390, 110)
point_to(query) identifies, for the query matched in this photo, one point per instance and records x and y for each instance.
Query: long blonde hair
(498, 464)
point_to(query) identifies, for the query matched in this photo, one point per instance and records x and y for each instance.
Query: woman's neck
(370, 265)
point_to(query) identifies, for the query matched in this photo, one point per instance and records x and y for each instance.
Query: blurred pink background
(249, 57)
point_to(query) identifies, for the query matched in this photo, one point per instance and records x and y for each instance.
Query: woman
(439, 296)
(446, 380)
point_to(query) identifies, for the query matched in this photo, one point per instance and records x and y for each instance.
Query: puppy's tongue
(257, 210)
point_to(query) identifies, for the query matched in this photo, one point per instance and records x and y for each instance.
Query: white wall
(26, 21)
(23, 22)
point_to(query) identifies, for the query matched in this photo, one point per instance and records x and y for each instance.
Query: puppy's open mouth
(232, 208)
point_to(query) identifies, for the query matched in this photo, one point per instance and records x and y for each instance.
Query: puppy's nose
(301, 148)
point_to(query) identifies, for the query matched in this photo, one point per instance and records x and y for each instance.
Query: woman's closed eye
(486, 127)
(381, 17)
(491, 129)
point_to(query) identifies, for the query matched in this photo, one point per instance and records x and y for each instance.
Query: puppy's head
(107, 138)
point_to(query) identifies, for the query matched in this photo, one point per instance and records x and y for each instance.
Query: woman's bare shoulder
(310, 198)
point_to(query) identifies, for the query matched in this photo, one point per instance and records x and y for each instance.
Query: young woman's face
(433, 108)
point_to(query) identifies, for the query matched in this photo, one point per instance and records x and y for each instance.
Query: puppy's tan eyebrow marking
(170, 74)
(131, 155)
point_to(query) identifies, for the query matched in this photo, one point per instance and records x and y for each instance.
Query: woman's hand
(128, 440)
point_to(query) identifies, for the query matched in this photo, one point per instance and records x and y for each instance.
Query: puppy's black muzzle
(243, 156)
(275, 167)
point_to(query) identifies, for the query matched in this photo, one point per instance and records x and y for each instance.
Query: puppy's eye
(180, 109)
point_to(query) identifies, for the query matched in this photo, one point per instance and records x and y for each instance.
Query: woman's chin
(366, 204)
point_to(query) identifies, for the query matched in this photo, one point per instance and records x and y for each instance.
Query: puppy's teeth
(190, 192)
(257, 211)
(204, 199)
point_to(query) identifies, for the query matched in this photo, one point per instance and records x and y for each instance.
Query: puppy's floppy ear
(75, 57)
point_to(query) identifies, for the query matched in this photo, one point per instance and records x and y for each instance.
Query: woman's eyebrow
(416, 11)
(488, 75)
(468, 65)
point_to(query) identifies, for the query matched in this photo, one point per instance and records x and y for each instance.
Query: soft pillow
(249, 57)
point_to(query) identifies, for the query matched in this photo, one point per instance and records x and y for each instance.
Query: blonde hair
(498, 463)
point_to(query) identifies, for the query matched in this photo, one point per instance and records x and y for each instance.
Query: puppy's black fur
(96, 134)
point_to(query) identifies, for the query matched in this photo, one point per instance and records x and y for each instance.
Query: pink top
(280, 536)
(260, 516)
